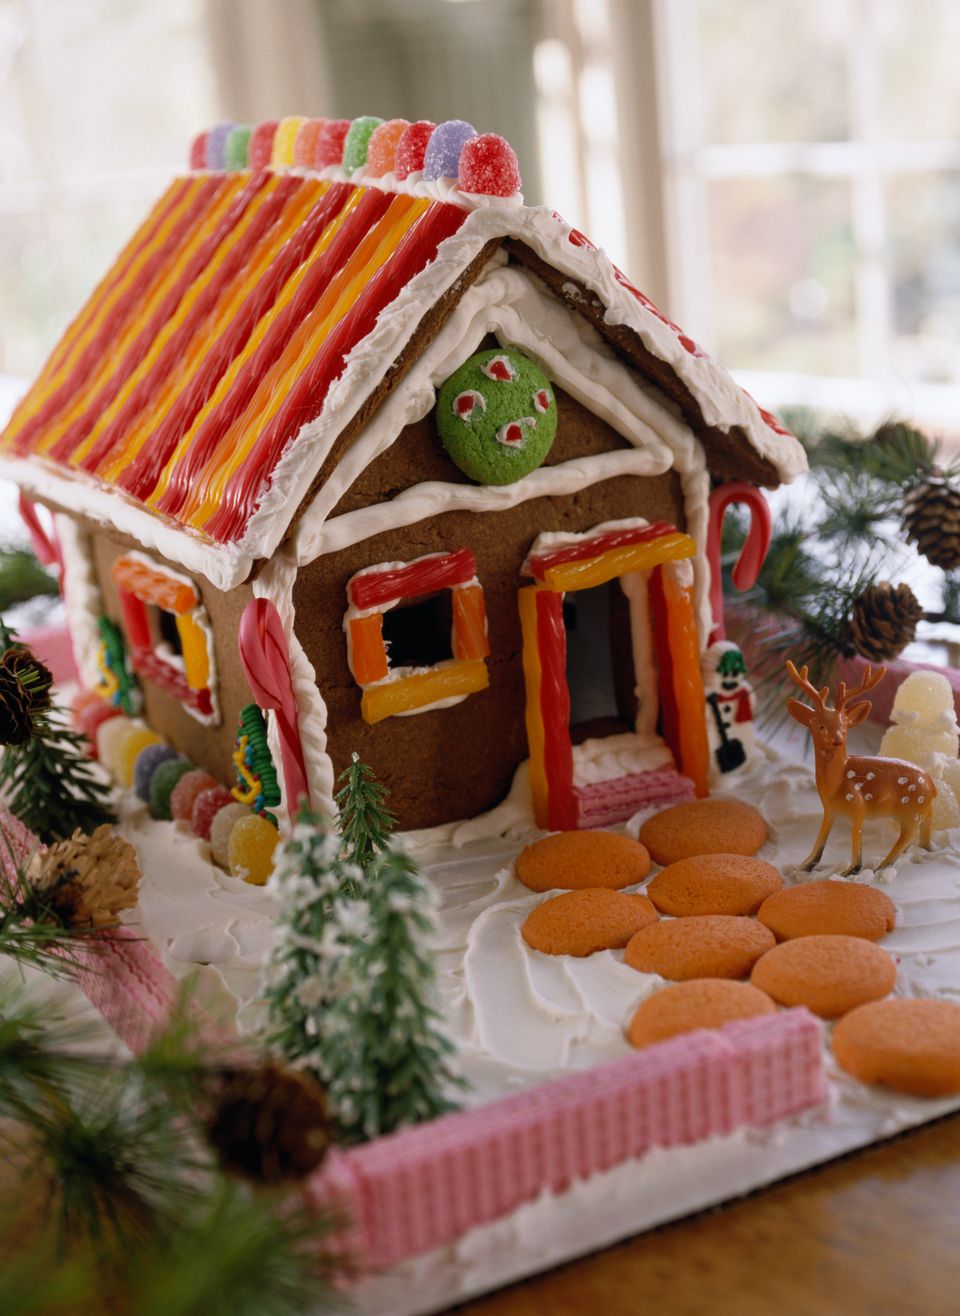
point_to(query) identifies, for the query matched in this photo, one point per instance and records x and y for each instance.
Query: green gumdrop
(358, 140)
(238, 145)
(162, 784)
(472, 441)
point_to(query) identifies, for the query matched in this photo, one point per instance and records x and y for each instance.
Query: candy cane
(45, 545)
(753, 552)
(265, 659)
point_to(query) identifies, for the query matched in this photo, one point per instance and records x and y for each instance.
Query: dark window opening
(169, 633)
(600, 675)
(419, 632)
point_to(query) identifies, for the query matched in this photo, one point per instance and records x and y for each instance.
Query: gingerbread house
(351, 433)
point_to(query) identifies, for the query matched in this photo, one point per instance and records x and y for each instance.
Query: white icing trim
(275, 583)
(81, 596)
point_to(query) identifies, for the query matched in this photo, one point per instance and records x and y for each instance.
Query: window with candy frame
(168, 633)
(428, 586)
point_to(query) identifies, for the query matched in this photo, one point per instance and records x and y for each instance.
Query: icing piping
(81, 596)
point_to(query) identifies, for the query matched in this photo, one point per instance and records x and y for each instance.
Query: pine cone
(87, 880)
(270, 1123)
(24, 690)
(931, 518)
(883, 621)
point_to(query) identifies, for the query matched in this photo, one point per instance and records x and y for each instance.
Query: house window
(169, 633)
(417, 634)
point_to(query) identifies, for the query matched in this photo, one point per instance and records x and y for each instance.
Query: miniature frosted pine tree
(305, 970)
(364, 820)
(386, 1060)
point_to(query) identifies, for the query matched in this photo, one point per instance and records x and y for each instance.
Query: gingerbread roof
(265, 310)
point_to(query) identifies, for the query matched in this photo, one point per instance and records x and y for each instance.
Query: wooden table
(874, 1234)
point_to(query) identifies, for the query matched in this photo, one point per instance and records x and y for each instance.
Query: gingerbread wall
(456, 762)
(209, 747)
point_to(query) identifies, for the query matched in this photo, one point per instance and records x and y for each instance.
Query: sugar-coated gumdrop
(357, 140)
(184, 794)
(162, 783)
(330, 140)
(251, 847)
(260, 149)
(442, 159)
(110, 736)
(223, 824)
(488, 166)
(216, 152)
(382, 147)
(81, 700)
(148, 760)
(412, 147)
(237, 152)
(91, 717)
(130, 750)
(284, 141)
(305, 147)
(198, 151)
(926, 693)
(206, 807)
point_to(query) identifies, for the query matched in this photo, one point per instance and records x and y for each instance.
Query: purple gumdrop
(447, 140)
(148, 760)
(216, 149)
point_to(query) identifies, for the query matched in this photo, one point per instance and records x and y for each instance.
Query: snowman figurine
(730, 707)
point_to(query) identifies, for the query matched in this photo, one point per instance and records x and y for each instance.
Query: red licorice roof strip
(203, 448)
(95, 406)
(140, 478)
(373, 589)
(305, 402)
(174, 350)
(99, 343)
(596, 544)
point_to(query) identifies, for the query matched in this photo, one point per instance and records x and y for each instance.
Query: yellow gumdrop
(128, 750)
(110, 736)
(224, 821)
(252, 843)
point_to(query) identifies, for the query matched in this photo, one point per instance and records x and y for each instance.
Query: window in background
(812, 168)
(98, 103)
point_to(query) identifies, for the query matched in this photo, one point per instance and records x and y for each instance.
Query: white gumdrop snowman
(925, 732)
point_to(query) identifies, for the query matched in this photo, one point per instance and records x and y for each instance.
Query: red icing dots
(412, 147)
(541, 400)
(499, 368)
(514, 432)
(465, 403)
(330, 141)
(382, 148)
(488, 165)
(260, 150)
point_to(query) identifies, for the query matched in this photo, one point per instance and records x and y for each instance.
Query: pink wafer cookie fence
(422, 1187)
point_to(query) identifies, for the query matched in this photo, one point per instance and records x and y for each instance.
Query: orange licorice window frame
(589, 560)
(142, 584)
(372, 592)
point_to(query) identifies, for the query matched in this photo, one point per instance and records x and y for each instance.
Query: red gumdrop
(382, 148)
(260, 149)
(488, 166)
(184, 795)
(412, 147)
(305, 143)
(206, 807)
(330, 139)
(198, 151)
(91, 716)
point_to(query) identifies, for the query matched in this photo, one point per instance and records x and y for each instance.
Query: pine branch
(49, 783)
(22, 577)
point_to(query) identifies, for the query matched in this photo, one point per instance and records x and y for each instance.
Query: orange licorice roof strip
(208, 334)
(154, 586)
(172, 277)
(587, 572)
(421, 689)
(139, 378)
(368, 657)
(117, 302)
(536, 740)
(687, 681)
(344, 289)
(256, 338)
(470, 624)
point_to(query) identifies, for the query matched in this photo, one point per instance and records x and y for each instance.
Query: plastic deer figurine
(855, 786)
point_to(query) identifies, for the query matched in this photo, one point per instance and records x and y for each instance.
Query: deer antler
(870, 679)
(801, 678)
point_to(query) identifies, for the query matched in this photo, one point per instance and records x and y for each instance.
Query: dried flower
(87, 880)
